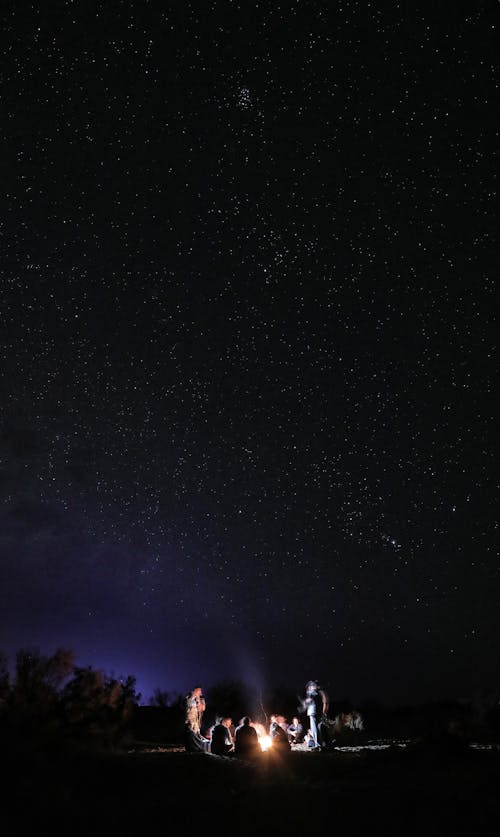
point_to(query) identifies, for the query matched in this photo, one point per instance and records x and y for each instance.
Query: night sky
(248, 381)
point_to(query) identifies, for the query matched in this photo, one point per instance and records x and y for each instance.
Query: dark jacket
(246, 741)
(279, 737)
(220, 741)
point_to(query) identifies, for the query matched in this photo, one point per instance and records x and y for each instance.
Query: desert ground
(383, 787)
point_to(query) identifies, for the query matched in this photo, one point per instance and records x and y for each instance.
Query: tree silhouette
(51, 703)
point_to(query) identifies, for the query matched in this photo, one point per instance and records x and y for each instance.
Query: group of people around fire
(243, 740)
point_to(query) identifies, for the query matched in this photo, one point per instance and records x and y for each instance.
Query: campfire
(265, 740)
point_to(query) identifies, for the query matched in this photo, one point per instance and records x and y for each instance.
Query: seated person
(309, 740)
(279, 737)
(194, 741)
(295, 731)
(246, 740)
(326, 733)
(221, 742)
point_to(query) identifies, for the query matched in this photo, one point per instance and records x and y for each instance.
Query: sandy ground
(384, 789)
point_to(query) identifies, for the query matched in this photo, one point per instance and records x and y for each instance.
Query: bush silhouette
(52, 704)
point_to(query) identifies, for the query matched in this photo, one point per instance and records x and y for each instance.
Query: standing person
(221, 742)
(315, 706)
(194, 709)
(246, 740)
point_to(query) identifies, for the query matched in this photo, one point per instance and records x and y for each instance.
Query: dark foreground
(394, 791)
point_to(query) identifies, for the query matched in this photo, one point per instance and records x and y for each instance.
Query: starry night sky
(248, 381)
